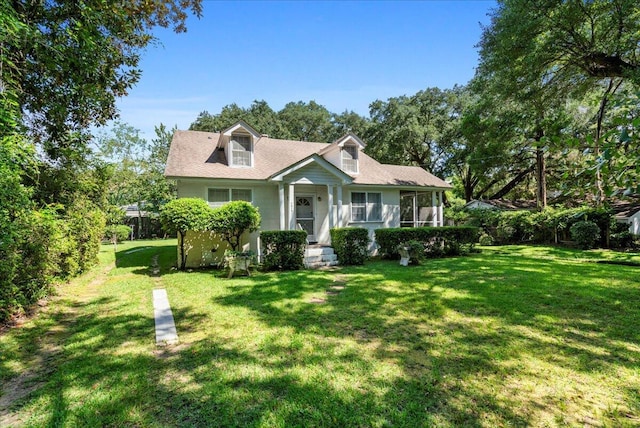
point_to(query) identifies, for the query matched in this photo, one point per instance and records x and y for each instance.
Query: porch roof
(314, 160)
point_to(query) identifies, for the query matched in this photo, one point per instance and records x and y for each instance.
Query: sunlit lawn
(514, 336)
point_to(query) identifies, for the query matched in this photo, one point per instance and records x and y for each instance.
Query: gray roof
(195, 154)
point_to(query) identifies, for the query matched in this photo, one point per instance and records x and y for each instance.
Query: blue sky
(342, 54)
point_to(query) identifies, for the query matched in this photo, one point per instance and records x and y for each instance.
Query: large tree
(415, 130)
(77, 57)
(546, 51)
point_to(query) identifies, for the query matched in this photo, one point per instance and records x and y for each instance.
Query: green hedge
(437, 241)
(283, 249)
(539, 227)
(351, 245)
(46, 246)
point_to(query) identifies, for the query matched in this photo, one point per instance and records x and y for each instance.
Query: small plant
(415, 250)
(231, 255)
(486, 239)
(585, 234)
(120, 232)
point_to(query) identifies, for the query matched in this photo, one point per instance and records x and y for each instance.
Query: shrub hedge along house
(303, 185)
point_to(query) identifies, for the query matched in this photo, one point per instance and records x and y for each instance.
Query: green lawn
(514, 336)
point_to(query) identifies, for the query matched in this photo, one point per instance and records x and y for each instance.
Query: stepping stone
(337, 287)
(332, 293)
(317, 300)
(166, 333)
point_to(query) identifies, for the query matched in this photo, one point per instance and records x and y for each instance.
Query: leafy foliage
(296, 121)
(283, 249)
(182, 215)
(436, 241)
(120, 232)
(585, 234)
(233, 219)
(351, 245)
(77, 58)
(538, 227)
(415, 130)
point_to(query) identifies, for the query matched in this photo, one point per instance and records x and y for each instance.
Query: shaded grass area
(514, 336)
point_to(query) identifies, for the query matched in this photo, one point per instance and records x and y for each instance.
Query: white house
(299, 184)
(628, 212)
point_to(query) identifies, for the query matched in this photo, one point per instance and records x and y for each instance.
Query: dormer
(345, 153)
(238, 142)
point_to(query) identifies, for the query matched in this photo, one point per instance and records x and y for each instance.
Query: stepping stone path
(339, 284)
(166, 333)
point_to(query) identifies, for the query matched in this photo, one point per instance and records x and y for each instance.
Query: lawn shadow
(518, 307)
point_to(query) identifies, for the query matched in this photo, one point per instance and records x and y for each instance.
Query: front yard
(514, 336)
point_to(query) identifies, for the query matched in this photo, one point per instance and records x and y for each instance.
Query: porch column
(283, 212)
(292, 208)
(330, 202)
(339, 222)
(440, 209)
(434, 209)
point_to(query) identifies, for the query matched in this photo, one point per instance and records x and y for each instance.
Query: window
(219, 197)
(416, 209)
(366, 206)
(240, 150)
(350, 158)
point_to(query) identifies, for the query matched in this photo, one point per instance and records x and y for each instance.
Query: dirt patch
(169, 351)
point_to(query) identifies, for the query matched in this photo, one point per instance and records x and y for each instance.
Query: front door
(305, 216)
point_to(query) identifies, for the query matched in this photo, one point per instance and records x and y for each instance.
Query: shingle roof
(195, 154)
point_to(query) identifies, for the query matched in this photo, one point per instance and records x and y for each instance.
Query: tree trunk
(541, 173)
(611, 89)
(513, 183)
(183, 257)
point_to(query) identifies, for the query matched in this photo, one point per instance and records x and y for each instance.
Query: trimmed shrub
(283, 249)
(182, 215)
(437, 241)
(622, 240)
(233, 219)
(120, 231)
(585, 234)
(351, 245)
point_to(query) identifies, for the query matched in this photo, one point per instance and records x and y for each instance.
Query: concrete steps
(317, 256)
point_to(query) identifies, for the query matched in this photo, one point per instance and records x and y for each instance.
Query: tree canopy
(75, 58)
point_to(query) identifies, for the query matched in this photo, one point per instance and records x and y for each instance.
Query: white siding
(312, 174)
(390, 211)
(634, 223)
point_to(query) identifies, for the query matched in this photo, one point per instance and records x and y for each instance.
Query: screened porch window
(416, 209)
(350, 158)
(366, 206)
(240, 150)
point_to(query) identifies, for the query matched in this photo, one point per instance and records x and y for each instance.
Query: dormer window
(350, 158)
(241, 153)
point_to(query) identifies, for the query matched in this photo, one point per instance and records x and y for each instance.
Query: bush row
(436, 241)
(351, 245)
(283, 249)
(543, 227)
(46, 245)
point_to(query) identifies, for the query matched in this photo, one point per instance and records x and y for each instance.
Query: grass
(514, 336)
